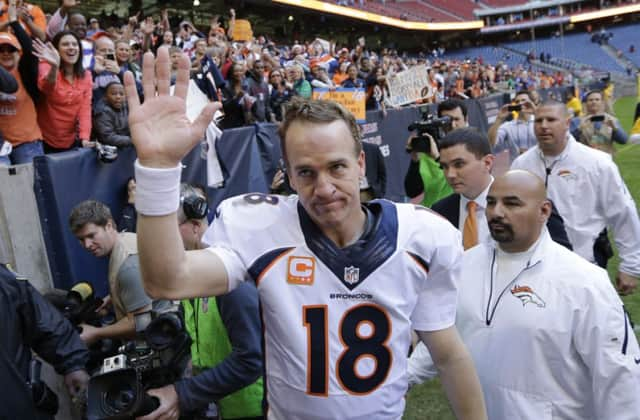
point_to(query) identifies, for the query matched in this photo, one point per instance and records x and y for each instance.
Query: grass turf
(427, 401)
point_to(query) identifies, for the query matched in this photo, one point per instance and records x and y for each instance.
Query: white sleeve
(220, 243)
(607, 345)
(436, 306)
(420, 366)
(622, 217)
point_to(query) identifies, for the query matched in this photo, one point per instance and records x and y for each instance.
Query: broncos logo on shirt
(527, 295)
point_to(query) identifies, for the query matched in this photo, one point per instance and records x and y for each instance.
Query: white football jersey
(337, 321)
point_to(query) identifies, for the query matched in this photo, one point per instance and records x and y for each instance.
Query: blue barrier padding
(61, 181)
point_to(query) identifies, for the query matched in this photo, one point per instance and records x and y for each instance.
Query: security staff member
(586, 187)
(29, 323)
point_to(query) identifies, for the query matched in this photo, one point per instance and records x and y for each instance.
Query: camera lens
(119, 398)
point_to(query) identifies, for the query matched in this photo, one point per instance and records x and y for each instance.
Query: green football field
(427, 401)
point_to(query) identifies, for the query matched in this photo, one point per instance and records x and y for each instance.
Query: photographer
(29, 323)
(424, 174)
(597, 128)
(515, 135)
(226, 351)
(92, 224)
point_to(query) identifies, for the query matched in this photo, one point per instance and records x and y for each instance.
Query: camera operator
(597, 128)
(514, 136)
(424, 174)
(226, 332)
(29, 323)
(92, 224)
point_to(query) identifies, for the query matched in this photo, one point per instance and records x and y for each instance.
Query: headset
(194, 206)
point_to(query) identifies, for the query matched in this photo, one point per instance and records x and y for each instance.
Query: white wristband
(157, 190)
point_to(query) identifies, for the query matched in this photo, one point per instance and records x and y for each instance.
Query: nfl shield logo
(351, 275)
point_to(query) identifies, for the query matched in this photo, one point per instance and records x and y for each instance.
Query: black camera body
(157, 357)
(430, 124)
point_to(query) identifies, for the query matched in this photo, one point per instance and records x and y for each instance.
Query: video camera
(430, 124)
(78, 305)
(157, 357)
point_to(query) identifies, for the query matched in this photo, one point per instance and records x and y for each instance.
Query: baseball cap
(10, 39)
(93, 20)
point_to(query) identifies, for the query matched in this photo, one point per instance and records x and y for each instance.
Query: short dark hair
(90, 211)
(318, 112)
(473, 139)
(524, 92)
(450, 105)
(591, 92)
(78, 69)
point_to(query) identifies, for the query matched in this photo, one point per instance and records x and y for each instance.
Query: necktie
(470, 229)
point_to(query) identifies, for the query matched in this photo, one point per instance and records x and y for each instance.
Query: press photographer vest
(125, 246)
(211, 346)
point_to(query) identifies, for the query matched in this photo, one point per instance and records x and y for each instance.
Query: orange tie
(470, 230)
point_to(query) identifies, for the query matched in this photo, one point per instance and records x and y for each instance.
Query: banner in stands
(352, 99)
(407, 86)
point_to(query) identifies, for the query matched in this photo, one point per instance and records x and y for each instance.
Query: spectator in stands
(105, 67)
(280, 93)
(187, 37)
(295, 76)
(64, 111)
(515, 136)
(124, 59)
(353, 81)
(377, 90)
(205, 72)
(597, 128)
(18, 119)
(259, 89)
(77, 24)
(30, 16)
(129, 217)
(110, 119)
(236, 102)
(94, 27)
(320, 78)
(341, 73)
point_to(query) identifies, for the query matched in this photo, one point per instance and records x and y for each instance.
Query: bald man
(546, 329)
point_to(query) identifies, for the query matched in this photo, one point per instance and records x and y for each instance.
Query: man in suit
(374, 182)
(466, 159)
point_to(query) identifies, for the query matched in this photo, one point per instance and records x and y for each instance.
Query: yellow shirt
(575, 105)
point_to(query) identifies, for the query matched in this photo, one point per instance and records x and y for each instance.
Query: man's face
(325, 171)
(466, 174)
(595, 104)
(458, 120)
(551, 125)
(258, 68)
(515, 216)
(78, 25)
(97, 240)
(104, 47)
(201, 47)
(521, 99)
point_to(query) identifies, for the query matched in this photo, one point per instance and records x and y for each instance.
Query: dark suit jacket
(449, 208)
(375, 171)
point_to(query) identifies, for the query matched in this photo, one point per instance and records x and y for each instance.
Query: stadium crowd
(67, 83)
